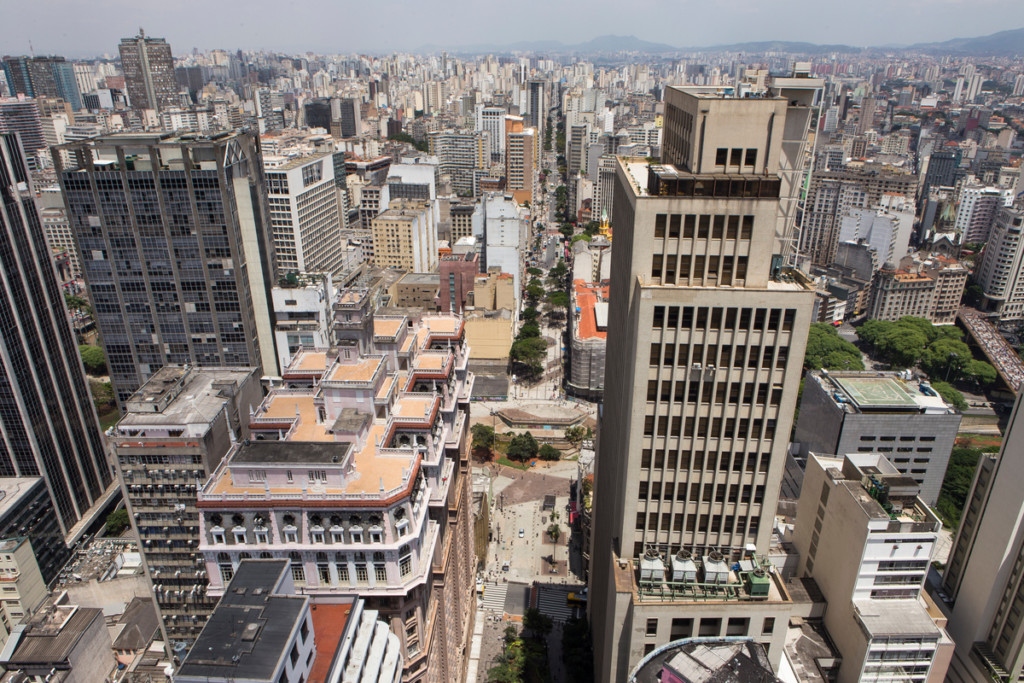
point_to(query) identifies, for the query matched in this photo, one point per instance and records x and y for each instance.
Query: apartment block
(148, 72)
(405, 237)
(1001, 271)
(356, 475)
(22, 587)
(926, 286)
(303, 314)
(175, 431)
(26, 510)
(707, 332)
(867, 540)
(521, 145)
(879, 412)
(463, 155)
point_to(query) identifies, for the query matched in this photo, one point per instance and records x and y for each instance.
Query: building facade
(49, 423)
(148, 72)
(707, 337)
(184, 276)
(357, 475)
(175, 432)
(1001, 272)
(405, 237)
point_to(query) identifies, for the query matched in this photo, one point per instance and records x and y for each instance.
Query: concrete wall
(489, 338)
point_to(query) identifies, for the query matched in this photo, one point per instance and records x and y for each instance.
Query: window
(768, 626)
(257, 475)
(736, 157)
(298, 570)
(652, 627)
(737, 626)
(239, 535)
(218, 537)
(262, 536)
(721, 156)
(751, 158)
(405, 560)
(288, 476)
(710, 628)
(317, 476)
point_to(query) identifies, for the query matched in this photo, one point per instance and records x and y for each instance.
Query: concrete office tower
(357, 474)
(982, 583)
(706, 338)
(38, 77)
(520, 152)
(463, 156)
(1001, 273)
(467, 220)
(175, 431)
(405, 237)
(492, 120)
(923, 286)
(304, 214)
(47, 420)
(506, 235)
(865, 412)
(349, 118)
(867, 539)
(21, 116)
(867, 115)
(184, 277)
(148, 72)
(885, 228)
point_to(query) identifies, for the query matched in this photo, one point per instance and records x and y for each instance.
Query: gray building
(48, 425)
(26, 510)
(174, 243)
(175, 432)
(876, 412)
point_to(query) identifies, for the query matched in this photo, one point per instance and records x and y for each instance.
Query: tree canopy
(483, 436)
(826, 349)
(548, 452)
(93, 360)
(522, 447)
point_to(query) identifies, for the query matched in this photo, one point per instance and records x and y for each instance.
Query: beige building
(705, 345)
(489, 334)
(983, 582)
(867, 539)
(416, 290)
(925, 286)
(1001, 271)
(520, 152)
(21, 584)
(405, 237)
(494, 291)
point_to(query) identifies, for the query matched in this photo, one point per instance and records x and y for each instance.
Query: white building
(1001, 273)
(505, 236)
(867, 539)
(886, 228)
(976, 213)
(302, 308)
(304, 213)
(492, 120)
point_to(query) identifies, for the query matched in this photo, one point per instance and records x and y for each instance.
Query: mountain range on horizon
(1001, 44)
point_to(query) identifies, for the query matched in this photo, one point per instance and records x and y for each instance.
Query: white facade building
(886, 228)
(303, 314)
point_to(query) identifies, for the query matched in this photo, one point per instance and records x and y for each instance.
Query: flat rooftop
(881, 392)
(13, 489)
(248, 633)
(902, 618)
(876, 391)
(199, 398)
(710, 661)
(291, 453)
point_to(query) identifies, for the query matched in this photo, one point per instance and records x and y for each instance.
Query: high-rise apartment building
(706, 337)
(537, 105)
(982, 583)
(176, 430)
(176, 250)
(520, 153)
(357, 475)
(867, 540)
(405, 237)
(304, 214)
(977, 209)
(463, 155)
(148, 72)
(924, 286)
(48, 421)
(492, 120)
(867, 115)
(1001, 272)
(348, 116)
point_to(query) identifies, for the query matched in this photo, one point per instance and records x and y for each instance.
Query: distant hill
(1004, 43)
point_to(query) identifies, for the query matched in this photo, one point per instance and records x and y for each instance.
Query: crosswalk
(494, 597)
(552, 602)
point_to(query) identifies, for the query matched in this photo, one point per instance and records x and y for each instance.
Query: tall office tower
(304, 213)
(867, 539)
(958, 91)
(575, 144)
(176, 430)
(974, 87)
(1001, 273)
(318, 114)
(983, 583)
(405, 236)
(520, 149)
(976, 213)
(886, 228)
(867, 115)
(492, 120)
(357, 475)
(175, 245)
(706, 338)
(21, 116)
(47, 418)
(462, 155)
(148, 72)
(349, 117)
(51, 77)
(942, 169)
(537, 105)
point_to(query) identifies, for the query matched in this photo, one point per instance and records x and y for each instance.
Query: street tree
(483, 436)
(548, 452)
(537, 623)
(522, 447)
(826, 349)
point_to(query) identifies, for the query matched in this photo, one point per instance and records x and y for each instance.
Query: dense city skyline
(396, 26)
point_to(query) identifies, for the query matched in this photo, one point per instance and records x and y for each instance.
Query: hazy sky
(78, 28)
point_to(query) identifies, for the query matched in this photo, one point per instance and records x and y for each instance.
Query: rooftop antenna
(31, 50)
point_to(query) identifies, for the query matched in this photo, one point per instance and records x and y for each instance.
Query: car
(522, 532)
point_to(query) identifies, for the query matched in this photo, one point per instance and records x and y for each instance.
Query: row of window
(714, 318)
(704, 523)
(719, 357)
(721, 492)
(689, 226)
(734, 393)
(700, 460)
(689, 427)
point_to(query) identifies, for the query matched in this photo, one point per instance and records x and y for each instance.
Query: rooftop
(902, 618)
(13, 490)
(249, 632)
(874, 391)
(181, 396)
(50, 636)
(707, 660)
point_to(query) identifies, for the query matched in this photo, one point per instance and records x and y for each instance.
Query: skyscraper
(21, 115)
(983, 579)
(536, 105)
(148, 72)
(175, 246)
(47, 420)
(520, 152)
(706, 337)
(51, 77)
